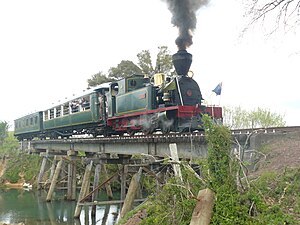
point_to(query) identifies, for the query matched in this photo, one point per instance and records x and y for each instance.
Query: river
(31, 208)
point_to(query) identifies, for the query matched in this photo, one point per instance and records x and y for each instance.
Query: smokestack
(182, 61)
(184, 17)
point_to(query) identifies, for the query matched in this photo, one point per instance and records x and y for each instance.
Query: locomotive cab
(131, 94)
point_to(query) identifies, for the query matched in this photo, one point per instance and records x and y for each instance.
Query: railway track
(267, 130)
(166, 138)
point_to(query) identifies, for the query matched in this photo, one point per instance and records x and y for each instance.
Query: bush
(9, 146)
(22, 165)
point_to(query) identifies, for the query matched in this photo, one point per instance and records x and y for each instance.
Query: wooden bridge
(97, 152)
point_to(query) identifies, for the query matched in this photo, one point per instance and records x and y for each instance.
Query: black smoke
(184, 17)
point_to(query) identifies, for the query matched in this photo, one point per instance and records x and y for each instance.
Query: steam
(184, 17)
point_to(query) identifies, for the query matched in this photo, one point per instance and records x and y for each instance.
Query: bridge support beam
(84, 188)
(41, 174)
(71, 191)
(54, 180)
(52, 170)
(132, 191)
(123, 177)
(95, 185)
(107, 185)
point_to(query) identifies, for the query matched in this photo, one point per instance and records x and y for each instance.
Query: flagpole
(219, 100)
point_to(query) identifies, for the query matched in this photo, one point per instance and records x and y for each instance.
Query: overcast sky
(48, 50)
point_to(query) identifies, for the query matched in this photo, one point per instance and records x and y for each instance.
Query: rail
(189, 144)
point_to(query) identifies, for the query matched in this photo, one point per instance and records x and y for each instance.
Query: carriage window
(74, 106)
(46, 117)
(85, 103)
(35, 120)
(31, 121)
(27, 122)
(51, 113)
(66, 109)
(58, 111)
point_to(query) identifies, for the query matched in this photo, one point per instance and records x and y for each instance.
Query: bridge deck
(189, 145)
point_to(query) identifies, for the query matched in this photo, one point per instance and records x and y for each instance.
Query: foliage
(239, 118)
(268, 200)
(98, 78)
(221, 172)
(18, 164)
(3, 130)
(144, 65)
(220, 165)
(125, 68)
(175, 203)
(9, 146)
(145, 62)
(275, 198)
(22, 165)
(164, 61)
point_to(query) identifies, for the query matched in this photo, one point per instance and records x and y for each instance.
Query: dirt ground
(281, 153)
(12, 224)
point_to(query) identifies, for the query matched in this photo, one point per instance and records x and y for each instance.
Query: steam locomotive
(135, 104)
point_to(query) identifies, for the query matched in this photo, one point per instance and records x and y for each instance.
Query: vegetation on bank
(240, 118)
(17, 165)
(22, 168)
(271, 198)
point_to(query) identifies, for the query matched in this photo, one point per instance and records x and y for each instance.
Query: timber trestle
(81, 164)
(65, 160)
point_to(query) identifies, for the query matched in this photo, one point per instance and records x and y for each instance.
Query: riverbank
(12, 223)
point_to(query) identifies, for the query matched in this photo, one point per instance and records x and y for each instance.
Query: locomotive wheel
(165, 129)
(53, 135)
(148, 130)
(165, 126)
(130, 132)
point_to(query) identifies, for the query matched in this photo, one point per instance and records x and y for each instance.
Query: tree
(9, 146)
(145, 61)
(144, 65)
(98, 78)
(287, 11)
(164, 60)
(125, 68)
(238, 118)
(3, 131)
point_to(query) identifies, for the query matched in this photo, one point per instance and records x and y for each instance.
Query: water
(30, 207)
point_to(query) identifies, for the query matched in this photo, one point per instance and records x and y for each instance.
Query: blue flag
(218, 89)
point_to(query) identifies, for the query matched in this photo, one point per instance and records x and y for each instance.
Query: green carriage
(29, 126)
(83, 114)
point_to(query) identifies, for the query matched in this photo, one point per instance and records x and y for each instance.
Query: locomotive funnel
(182, 61)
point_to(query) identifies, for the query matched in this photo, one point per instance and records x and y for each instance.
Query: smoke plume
(184, 17)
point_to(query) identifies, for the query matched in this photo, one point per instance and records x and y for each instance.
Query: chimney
(182, 61)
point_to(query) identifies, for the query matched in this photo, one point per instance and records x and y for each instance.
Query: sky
(48, 50)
